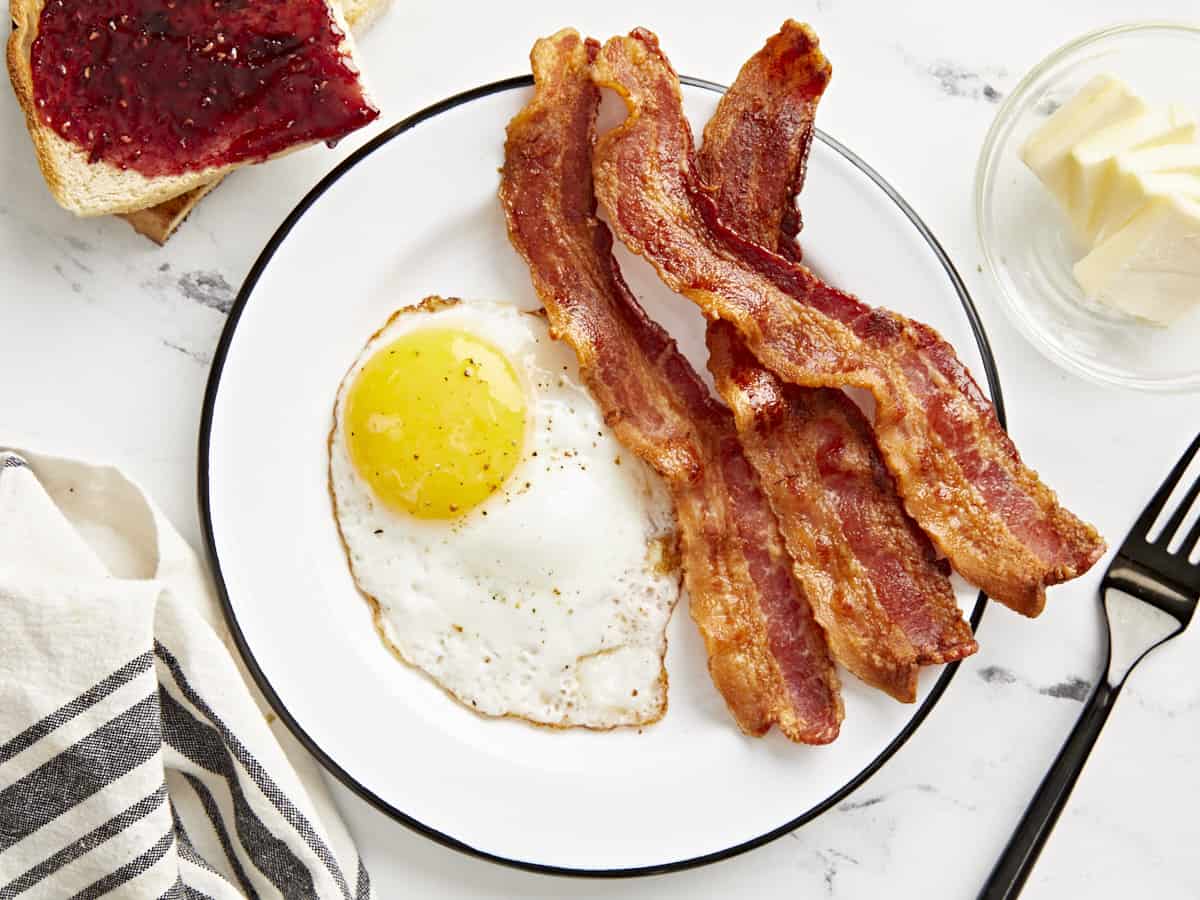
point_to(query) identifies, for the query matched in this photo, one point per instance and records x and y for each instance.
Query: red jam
(165, 86)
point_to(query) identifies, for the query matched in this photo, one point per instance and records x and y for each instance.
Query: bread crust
(100, 188)
(159, 222)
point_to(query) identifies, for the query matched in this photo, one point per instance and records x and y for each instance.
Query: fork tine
(1180, 513)
(1189, 542)
(1141, 528)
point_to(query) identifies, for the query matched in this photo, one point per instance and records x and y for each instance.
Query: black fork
(1149, 595)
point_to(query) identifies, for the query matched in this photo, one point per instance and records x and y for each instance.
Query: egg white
(549, 601)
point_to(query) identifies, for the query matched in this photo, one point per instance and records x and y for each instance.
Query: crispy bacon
(767, 654)
(958, 472)
(872, 575)
(755, 151)
(869, 570)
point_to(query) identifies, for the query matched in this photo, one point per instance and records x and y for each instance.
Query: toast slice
(159, 222)
(90, 188)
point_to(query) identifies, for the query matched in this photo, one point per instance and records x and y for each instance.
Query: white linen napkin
(137, 759)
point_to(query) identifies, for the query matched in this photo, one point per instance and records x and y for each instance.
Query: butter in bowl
(1088, 206)
(1127, 174)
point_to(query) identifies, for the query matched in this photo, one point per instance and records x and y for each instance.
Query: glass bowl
(1028, 246)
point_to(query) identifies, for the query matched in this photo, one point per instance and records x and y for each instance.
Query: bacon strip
(767, 654)
(755, 152)
(861, 558)
(872, 574)
(958, 472)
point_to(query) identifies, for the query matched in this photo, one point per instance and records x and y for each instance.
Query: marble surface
(105, 343)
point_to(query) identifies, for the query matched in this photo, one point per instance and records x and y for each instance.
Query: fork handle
(1016, 862)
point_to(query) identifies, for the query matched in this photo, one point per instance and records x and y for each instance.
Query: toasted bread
(361, 14)
(160, 221)
(98, 188)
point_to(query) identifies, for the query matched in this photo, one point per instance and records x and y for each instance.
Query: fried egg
(511, 549)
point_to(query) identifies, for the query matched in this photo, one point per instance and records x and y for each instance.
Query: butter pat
(1141, 175)
(1150, 268)
(1130, 190)
(1092, 164)
(1103, 101)
(1166, 158)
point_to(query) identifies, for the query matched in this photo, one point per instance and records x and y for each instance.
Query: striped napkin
(136, 758)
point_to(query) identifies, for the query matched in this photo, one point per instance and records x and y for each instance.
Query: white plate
(415, 213)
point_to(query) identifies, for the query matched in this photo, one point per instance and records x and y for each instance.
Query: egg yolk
(435, 422)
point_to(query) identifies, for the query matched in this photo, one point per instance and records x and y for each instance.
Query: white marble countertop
(105, 342)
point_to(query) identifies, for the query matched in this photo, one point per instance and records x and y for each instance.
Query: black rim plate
(214, 380)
